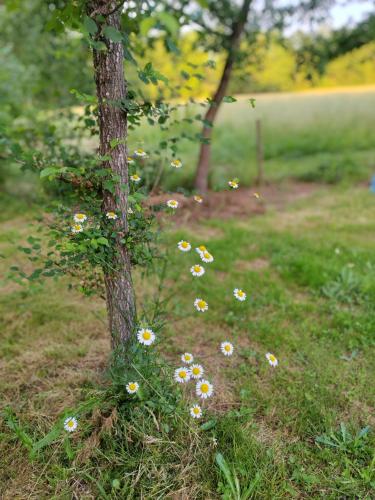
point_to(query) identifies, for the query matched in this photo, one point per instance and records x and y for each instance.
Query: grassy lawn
(298, 430)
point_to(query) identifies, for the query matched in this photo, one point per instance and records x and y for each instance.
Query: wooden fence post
(259, 151)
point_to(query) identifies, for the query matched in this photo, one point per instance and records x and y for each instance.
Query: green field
(304, 429)
(325, 135)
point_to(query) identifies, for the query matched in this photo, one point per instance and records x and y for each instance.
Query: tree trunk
(201, 177)
(111, 86)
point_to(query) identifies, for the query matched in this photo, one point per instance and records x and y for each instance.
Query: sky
(342, 15)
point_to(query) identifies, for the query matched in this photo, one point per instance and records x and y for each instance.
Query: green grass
(297, 431)
(324, 136)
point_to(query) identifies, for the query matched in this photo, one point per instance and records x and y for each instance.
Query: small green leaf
(103, 241)
(112, 33)
(210, 424)
(90, 25)
(229, 99)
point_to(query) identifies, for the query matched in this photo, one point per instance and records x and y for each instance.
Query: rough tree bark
(111, 86)
(201, 177)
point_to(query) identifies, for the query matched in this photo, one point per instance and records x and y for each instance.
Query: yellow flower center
(111, 214)
(206, 255)
(183, 374)
(132, 387)
(196, 411)
(140, 151)
(272, 358)
(70, 423)
(197, 269)
(80, 216)
(202, 248)
(196, 371)
(184, 244)
(146, 335)
(240, 293)
(227, 347)
(77, 227)
(204, 388)
(201, 304)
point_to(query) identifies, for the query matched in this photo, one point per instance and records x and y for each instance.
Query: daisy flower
(239, 294)
(256, 195)
(184, 246)
(196, 371)
(130, 210)
(146, 336)
(140, 153)
(204, 389)
(70, 424)
(176, 163)
(200, 305)
(197, 270)
(132, 387)
(201, 249)
(196, 411)
(182, 375)
(198, 198)
(227, 348)
(77, 228)
(130, 160)
(233, 184)
(111, 215)
(79, 218)
(187, 358)
(206, 257)
(135, 178)
(172, 204)
(272, 359)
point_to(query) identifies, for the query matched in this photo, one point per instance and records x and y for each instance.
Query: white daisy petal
(132, 387)
(146, 336)
(197, 270)
(201, 249)
(187, 358)
(272, 359)
(182, 375)
(184, 246)
(227, 348)
(135, 178)
(176, 163)
(206, 257)
(79, 218)
(239, 294)
(70, 424)
(196, 411)
(172, 204)
(77, 228)
(204, 389)
(140, 153)
(200, 305)
(233, 184)
(196, 371)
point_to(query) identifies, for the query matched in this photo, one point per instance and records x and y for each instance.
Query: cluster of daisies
(145, 336)
(204, 388)
(197, 270)
(80, 219)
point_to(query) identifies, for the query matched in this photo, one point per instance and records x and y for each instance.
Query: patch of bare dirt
(237, 203)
